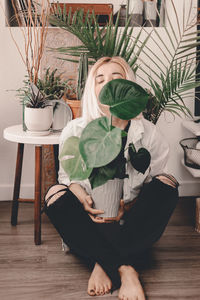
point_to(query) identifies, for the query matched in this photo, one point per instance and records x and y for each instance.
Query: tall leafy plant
(97, 41)
(171, 76)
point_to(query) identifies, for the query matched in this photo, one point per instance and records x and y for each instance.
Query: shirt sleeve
(159, 150)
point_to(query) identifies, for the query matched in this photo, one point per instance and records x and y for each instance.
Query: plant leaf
(100, 144)
(71, 160)
(126, 99)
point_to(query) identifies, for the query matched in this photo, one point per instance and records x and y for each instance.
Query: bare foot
(131, 288)
(99, 282)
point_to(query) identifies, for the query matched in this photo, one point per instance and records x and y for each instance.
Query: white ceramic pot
(38, 119)
(107, 197)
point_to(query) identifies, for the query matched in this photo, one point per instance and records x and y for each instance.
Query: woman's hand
(122, 209)
(92, 212)
(120, 213)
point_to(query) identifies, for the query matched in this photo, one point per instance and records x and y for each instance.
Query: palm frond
(176, 76)
(108, 40)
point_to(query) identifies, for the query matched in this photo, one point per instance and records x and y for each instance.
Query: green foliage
(35, 99)
(100, 142)
(140, 160)
(51, 87)
(171, 74)
(82, 74)
(125, 98)
(108, 40)
(74, 164)
(102, 145)
(171, 80)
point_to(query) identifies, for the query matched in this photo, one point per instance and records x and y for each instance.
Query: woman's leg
(144, 224)
(147, 219)
(80, 233)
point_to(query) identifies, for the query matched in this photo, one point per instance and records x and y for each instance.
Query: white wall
(12, 73)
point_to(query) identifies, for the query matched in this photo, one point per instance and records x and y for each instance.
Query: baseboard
(6, 191)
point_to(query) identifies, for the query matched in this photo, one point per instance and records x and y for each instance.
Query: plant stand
(17, 135)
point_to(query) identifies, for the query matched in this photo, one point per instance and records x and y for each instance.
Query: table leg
(56, 153)
(37, 203)
(18, 173)
(197, 225)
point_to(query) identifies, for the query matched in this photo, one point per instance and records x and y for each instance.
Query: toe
(91, 292)
(102, 292)
(108, 288)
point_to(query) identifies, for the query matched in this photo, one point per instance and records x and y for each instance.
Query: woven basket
(191, 154)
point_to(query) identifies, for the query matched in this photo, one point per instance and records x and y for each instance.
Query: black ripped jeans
(113, 245)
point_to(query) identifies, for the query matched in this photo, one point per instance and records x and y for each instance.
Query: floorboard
(29, 272)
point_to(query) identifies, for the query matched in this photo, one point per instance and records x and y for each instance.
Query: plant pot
(62, 114)
(150, 13)
(136, 12)
(75, 106)
(38, 120)
(107, 197)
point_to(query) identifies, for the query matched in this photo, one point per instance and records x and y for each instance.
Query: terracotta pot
(75, 106)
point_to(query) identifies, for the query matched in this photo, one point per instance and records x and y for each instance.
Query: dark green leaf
(140, 160)
(126, 99)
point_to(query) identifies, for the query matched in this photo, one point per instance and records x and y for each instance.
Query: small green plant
(51, 87)
(99, 153)
(82, 75)
(34, 98)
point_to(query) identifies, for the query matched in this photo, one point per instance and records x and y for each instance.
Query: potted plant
(38, 113)
(49, 88)
(170, 77)
(81, 80)
(99, 152)
(34, 34)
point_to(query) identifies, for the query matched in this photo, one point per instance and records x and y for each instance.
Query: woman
(114, 246)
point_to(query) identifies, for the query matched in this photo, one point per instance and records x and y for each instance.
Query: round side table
(17, 135)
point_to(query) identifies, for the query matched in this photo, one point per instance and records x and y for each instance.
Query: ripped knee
(55, 192)
(168, 179)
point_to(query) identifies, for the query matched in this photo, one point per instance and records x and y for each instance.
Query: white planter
(38, 119)
(107, 197)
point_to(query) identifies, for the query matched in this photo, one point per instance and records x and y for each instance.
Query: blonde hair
(90, 107)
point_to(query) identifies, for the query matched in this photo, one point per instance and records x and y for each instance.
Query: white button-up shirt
(141, 133)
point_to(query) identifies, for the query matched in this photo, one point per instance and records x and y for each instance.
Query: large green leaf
(126, 99)
(100, 143)
(71, 160)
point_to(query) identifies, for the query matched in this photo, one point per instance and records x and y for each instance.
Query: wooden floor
(29, 272)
